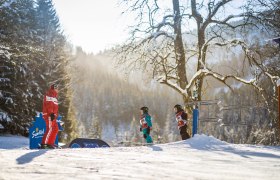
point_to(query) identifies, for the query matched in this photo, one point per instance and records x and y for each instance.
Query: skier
(146, 124)
(50, 113)
(181, 118)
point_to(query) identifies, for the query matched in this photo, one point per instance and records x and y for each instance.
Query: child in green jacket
(146, 124)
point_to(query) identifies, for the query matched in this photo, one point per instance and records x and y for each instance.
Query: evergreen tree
(55, 58)
(95, 128)
(17, 35)
(70, 127)
(33, 54)
(51, 41)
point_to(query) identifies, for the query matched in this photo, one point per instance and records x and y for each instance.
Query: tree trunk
(279, 109)
(178, 46)
(201, 58)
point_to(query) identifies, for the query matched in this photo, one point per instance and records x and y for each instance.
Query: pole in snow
(278, 87)
(195, 120)
(277, 40)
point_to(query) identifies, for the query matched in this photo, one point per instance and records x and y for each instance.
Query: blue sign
(195, 121)
(75, 145)
(88, 143)
(37, 131)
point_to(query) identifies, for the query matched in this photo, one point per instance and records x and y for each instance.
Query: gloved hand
(52, 116)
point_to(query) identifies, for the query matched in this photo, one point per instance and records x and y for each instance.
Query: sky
(96, 25)
(92, 24)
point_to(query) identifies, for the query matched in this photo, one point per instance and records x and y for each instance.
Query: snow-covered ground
(201, 157)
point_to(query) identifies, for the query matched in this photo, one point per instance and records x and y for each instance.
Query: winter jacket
(146, 121)
(50, 104)
(146, 127)
(181, 118)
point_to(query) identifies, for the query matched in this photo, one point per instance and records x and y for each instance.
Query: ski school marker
(37, 131)
(195, 121)
(88, 143)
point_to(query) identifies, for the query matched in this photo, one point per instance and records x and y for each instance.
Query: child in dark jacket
(181, 118)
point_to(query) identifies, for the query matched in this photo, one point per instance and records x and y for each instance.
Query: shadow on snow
(27, 158)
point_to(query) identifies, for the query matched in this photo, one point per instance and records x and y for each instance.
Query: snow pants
(183, 132)
(146, 135)
(51, 131)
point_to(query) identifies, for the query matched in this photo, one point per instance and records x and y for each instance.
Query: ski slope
(201, 157)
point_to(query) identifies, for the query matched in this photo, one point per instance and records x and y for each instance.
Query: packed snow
(201, 157)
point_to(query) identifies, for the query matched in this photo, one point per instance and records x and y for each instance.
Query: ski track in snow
(201, 157)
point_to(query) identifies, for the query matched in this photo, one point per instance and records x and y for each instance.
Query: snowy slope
(201, 157)
(13, 142)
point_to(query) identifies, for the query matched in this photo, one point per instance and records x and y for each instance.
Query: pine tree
(95, 128)
(33, 54)
(17, 35)
(51, 42)
(70, 127)
(55, 57)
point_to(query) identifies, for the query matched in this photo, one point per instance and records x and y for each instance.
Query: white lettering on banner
(39, 133)
(52, 99)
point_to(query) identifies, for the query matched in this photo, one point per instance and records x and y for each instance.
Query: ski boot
(47, 146)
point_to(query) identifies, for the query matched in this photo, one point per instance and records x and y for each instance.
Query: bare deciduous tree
(159, 43)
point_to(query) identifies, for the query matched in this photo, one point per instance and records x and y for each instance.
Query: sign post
(278, 88)
(277, 40)
(195, 120)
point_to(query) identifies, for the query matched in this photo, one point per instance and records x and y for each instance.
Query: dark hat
(144, 109)
(178, 107)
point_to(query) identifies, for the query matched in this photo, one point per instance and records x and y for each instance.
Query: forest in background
(34, 53)
(109, 106)
(108, 102)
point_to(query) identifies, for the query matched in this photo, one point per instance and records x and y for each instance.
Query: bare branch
(216, 8)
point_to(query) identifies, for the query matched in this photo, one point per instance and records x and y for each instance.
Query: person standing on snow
(50, 113)
(181, 118)
(146, 124)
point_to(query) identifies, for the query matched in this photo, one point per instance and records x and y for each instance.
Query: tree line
(34, 53)
(108, 103)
